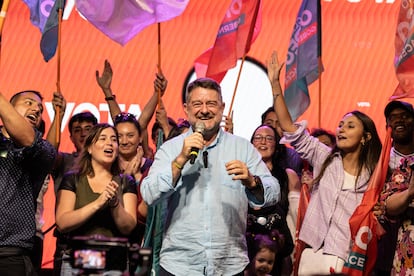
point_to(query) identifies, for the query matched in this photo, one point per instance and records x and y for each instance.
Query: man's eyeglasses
(259, 138)
(124, 117)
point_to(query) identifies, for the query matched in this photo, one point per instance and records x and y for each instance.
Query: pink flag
(365, 228)
(238, 30)
(404, 53)
(122, 20)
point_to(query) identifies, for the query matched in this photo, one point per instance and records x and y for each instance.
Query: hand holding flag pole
(59, 37)
(155, 227)
(160, 132)
(159, 61)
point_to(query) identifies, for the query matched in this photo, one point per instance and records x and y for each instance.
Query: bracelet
(110, 98)
(177, 165)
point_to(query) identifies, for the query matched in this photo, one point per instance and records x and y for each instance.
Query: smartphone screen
(89, 259)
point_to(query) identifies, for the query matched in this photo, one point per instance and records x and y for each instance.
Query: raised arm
(104, 82)
(160, 84)
(16, 126)
(162, 118)
(282, 113)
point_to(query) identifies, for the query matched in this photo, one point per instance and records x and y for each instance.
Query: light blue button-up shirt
(207, 210)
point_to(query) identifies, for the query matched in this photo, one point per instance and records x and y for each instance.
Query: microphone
(205, 159)
(199, 127)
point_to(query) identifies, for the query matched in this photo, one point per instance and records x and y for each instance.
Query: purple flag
(122, 20)
(302, 62)
(44, 15)
(39, 11)
(49, 41)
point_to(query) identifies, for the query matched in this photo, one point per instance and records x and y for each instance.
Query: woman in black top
(94, 199)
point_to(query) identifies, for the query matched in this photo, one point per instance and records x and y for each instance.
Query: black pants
(37, 254)
(19, 265)
(163, 272)
(60, 248)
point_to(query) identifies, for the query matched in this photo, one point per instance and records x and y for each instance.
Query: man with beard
(207, 194)
(400, 117)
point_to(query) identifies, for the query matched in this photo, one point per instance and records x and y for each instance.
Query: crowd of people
(205, 201)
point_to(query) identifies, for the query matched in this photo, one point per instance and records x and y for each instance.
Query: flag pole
(159, 61)
(60, 14)
(237, 84)
(248, 42)
(319, 9)
(320, 92)
(3, 13)
(160, 132)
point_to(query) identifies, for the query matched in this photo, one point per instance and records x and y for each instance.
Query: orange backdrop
(357, 53)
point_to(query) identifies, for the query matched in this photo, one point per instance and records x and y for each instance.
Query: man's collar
(217, 139)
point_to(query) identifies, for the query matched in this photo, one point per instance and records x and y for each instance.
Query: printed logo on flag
(302, 61)
(357, 256)
(231, 26)
(407, 51)
(355, 261)
(305, 27)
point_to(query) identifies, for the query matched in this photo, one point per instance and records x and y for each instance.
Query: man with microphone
(207, 198)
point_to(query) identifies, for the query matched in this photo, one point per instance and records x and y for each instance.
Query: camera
(89, 259)
(99, 253)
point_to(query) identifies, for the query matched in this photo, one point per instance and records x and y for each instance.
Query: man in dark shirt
(25, 160)
(399, 117)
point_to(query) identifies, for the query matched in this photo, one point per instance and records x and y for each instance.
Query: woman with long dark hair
(341, 177)
(273, 218)
(95, 199)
